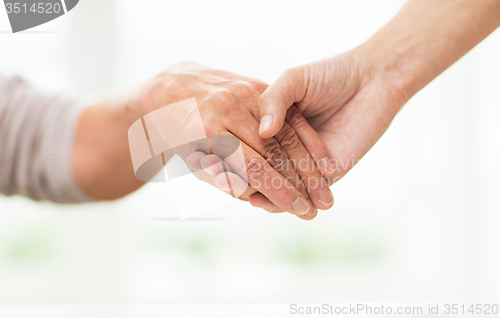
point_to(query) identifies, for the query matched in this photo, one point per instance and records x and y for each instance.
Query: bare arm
(351, 99)
(228, 106)
(101, 159)
(426, 37)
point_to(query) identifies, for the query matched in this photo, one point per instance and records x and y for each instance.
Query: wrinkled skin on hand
(228, 105)
(343, 99)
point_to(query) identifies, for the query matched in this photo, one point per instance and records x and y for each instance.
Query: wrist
(424, 39)
(101, 159)
(392, 67)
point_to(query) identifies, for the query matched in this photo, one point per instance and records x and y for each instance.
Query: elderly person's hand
(278, 172)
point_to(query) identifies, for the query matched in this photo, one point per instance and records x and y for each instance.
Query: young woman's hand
(342, 98)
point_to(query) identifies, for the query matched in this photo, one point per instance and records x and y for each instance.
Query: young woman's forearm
(428, 36)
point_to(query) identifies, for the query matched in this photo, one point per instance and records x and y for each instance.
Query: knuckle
(274, 154)
(255, 167)
(245, 91)
(289, 139)
(210, 119)
(241, 86)
(295, 118)
(259, 85)
(223, 97)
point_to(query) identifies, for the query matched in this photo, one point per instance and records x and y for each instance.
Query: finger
(260, 201)
(259, 85)
(274, 155)
(315, 146)
(221, 173)
(224, 177)
(213, 165)
(319, 193)
(233, 183)
(226, 180)
(322, 195)
(266, 155)
(193, 160)
(265, 179)
(309, 216)
(289, 88)
(269, 149)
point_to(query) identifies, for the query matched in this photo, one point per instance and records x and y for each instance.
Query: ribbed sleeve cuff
(56, 154)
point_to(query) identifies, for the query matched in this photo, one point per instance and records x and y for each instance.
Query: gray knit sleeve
(36, 141)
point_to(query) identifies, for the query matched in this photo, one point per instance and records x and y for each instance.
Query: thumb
(288, 89)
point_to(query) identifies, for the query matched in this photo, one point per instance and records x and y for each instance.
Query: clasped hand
(282, 173)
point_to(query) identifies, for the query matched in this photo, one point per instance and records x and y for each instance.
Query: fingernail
(212, 170)
(266, 123)
(312, 210)
(325, 197)
(326, 165)
(192, 162)
(222, 183)
(312, 213)
(300, 205)
(210, 166)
